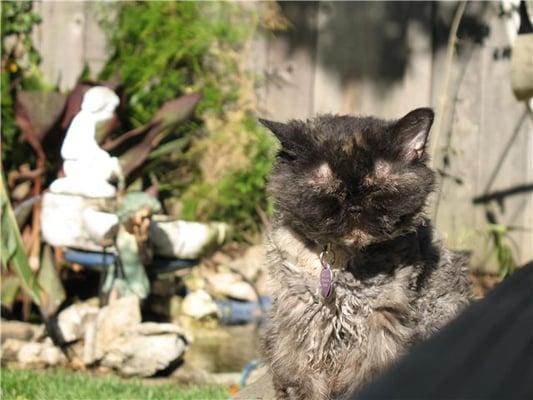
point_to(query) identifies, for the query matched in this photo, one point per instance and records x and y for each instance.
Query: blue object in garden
(90, 259)
(247, 370)
(233, 312)
(100, 261)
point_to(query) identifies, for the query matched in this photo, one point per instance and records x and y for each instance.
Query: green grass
(59, 385)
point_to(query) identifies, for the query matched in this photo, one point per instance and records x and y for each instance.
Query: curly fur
(359, 184)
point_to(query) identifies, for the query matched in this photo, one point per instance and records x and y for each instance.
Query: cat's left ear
(412, 132)
(281, 130)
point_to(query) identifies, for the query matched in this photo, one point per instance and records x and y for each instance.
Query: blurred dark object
(487, 353)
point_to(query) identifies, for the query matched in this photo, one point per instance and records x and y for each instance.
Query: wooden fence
(384, 59)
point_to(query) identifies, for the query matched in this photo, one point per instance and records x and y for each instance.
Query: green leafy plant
(502, 250)
(13, 254)
(19, 71)
(215, 165)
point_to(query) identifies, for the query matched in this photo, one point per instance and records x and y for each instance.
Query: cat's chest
(297, 266)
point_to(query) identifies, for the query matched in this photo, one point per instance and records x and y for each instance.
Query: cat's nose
(355, 209)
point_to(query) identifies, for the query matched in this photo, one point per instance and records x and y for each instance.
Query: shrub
(216, 165)
(19, 71)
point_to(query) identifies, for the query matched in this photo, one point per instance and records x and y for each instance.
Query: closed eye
(286, 155)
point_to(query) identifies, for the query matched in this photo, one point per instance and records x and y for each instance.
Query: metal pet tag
(326, 280)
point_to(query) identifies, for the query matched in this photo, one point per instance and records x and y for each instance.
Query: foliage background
(215, 166)
(212, 167)
(20, 71)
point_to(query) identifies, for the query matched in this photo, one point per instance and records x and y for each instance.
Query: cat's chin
(357, 240)
(356, 243)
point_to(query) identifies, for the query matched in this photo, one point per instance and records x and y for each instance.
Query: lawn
(63, 385)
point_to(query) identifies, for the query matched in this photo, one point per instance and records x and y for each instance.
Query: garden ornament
(128, 276)
(522, 57)
(519, 26)
(87, 167)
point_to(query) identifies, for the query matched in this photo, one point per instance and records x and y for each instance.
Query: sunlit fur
(359, 184)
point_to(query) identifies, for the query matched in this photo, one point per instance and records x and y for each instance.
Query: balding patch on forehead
(382, 169)
(322, 175)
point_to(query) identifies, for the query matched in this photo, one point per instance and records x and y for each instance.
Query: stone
(261, 389)
(89, 343)
(73, 320)
(52, 356)
(63, 221)
(199, 305)
(36, 353)
(114, 319)
(229, 284)
(185, 239)
(11, 348)
(145, 350)
(18, 330)
(154, 328)
(251, 263)
(224, 378)
(29, 353)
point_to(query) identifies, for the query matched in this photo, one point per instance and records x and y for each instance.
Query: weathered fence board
(68, 38)
(488, 142)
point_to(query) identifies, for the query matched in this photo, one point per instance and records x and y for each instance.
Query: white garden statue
(87, 167)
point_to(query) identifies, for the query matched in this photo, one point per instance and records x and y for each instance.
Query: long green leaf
(53, 293)
(12, 249)
(170, 114)
(10, 288)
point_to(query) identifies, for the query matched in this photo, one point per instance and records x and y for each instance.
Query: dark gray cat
(354, 191)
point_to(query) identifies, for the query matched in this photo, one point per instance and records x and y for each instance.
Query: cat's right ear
(412, 132)
(280, 130)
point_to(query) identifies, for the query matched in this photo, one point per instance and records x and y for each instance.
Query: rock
(229, 284)
(261, 389)
(73, 320)
(251, 263)
(21, 191)
(189, 374)
(199, 305)
(195, 280)
(18, 330)
(89, 343)
(154, 328)
(101, 226)
(29, 353)
(44, 353)
(11, 348)
(262, 284)
(51, 355)
(113, 320)
(63, 225)
(145, 350)
(225, 378)
(185, 239)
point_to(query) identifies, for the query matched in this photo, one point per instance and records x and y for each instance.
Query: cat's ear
(412, 132)
(281, 130)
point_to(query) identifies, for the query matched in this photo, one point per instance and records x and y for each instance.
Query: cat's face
(349, 180)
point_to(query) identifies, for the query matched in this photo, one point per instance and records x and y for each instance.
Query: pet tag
(326, 280)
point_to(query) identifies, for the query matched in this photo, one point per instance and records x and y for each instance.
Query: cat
(355, 270)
